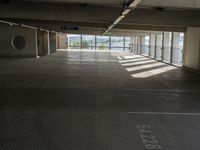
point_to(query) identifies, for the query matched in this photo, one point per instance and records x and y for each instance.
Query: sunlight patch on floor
(132, 57)
(133, 60)
(144, 67)
(139, 63)
(153, 72)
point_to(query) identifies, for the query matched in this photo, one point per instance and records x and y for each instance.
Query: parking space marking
(149, 140)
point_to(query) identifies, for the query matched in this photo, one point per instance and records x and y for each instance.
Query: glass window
(146, 45)
(159, 38)
(88, 42)
(74, 41)
(117, 43)
(133, 39)
(102, 42)
(147, 40)
(152, 45)
(127, 43)
(167, 46)
(135, 47)
(178, 44)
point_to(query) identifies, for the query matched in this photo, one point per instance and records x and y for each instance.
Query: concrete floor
(97, 101)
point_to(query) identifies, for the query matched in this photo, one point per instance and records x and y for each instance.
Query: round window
(19, 42)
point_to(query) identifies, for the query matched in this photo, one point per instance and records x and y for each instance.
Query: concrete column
(68, 42)
(132, 42)
(171, 49)
(139, 44)
(52, 38)
(192, 49)
(136, 44)
(48, 43)
(36, 44)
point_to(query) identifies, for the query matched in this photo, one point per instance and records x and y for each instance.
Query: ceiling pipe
(26, 26)
(7, 22)
(23, 25)
(131, 5)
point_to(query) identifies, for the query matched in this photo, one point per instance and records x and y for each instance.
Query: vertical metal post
(95, 42)
(124, 43)
(36, 38)
(149, 44)
(184, 49)
(81, 41)
(163, 46)
(141, 44)
(68, 41)
(110, 42)
(155, 52)
(131, 44)
(172, 48)
(138, 44)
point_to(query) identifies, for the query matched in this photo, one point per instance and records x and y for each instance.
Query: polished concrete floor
(76, 100)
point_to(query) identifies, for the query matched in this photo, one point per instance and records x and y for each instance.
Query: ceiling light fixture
(131, 5)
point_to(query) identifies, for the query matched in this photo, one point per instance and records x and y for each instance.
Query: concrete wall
(62, 41)
(7, 33)
(192, 50)
(52, 38)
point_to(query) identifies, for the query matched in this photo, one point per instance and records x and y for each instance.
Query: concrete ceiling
(176, 15)
(98, 2)
(191, 4)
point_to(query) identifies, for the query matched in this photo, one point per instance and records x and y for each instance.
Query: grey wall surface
(62, 39)
(52, 38)
(40, 42)
(192, 51)
(7, 33)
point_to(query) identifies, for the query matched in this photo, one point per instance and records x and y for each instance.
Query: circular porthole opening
(19, 42)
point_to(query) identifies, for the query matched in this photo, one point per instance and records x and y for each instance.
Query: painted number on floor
(148, 138)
